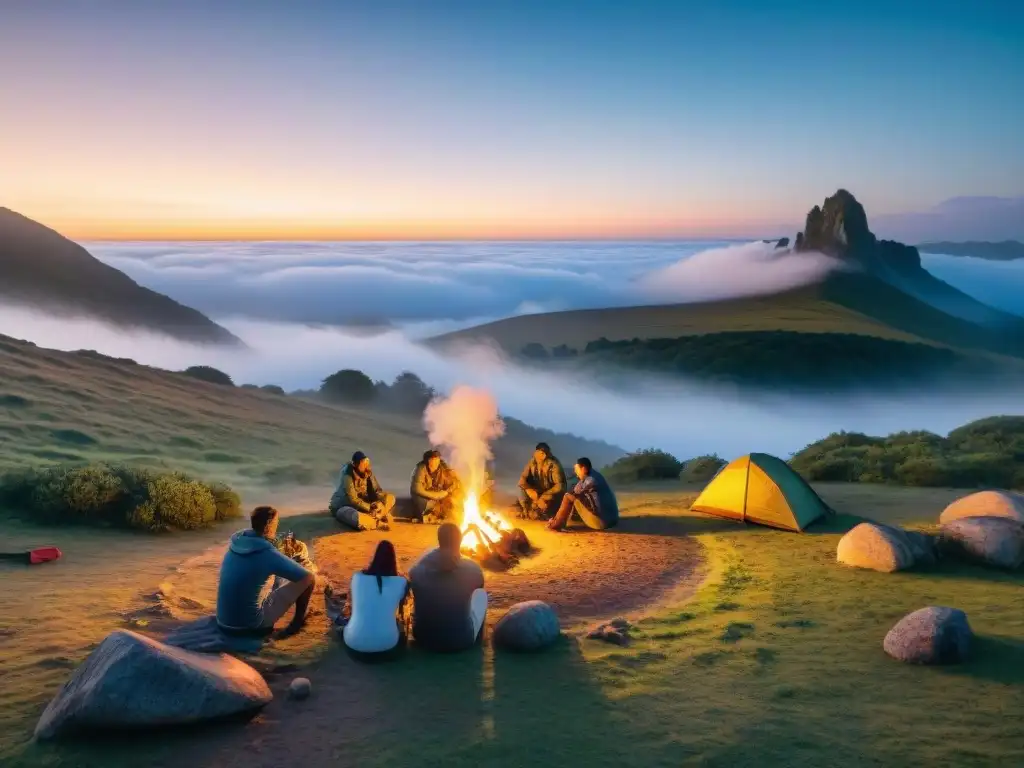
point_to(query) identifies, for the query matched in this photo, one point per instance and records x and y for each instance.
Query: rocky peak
(839, 227)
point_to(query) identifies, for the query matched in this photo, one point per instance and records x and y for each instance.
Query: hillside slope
(883, 291)
(69, 406)
(41, 268)
(843, 303)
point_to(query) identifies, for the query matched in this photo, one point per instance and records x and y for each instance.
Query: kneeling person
(449, 601)
(434, 489)
(359, 502)
(592, 499)
(250, 563)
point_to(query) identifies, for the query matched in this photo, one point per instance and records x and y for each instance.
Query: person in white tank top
(375, 597)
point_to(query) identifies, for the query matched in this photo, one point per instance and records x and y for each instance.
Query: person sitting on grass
(252, 560)
(376, 596)
(434, 489)
(359, 502)
(592, 499)
(541, 485)
(449, 601)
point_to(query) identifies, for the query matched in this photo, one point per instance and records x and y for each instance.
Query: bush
(228, 503)
(348, 386)
(273, 389)
(117, 496)
(649, 464)
(985, 453)
(209, 375)
(702, 469)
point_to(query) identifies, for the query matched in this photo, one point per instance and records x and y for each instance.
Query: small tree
(210, 375)
(348, 386)
(408, 392)
(535, 351)
(702, 468)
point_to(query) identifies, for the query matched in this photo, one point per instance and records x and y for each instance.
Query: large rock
(932, 635)
(877, 547)
(922, 546)
(529, 626)
(985, 504)
(993, 540)
(131, 681)
(839, 227)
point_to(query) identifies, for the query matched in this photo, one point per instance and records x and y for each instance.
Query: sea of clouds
(427, 287)
(292, 303)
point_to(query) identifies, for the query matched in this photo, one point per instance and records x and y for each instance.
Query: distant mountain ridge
(1006, 250)
(40, 268)
(881, 290)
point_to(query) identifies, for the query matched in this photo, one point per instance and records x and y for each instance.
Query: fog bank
(685, 418)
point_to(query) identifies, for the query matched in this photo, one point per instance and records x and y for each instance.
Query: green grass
(67, 407)
(777, 660)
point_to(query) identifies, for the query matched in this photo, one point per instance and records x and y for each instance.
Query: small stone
(596, 633)
(931, 635)
(529, 626)
(300, 689)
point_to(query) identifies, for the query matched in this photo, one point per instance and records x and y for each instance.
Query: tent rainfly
(761, 489)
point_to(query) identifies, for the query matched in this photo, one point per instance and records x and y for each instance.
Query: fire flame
(486, 522)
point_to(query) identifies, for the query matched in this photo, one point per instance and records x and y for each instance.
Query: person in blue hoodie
(592, 499)
(252, 560)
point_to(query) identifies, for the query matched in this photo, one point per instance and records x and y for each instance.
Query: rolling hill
(81, 406)
(882, 292)
(39, 268)
(879, 319)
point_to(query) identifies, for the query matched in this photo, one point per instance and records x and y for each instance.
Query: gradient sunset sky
(499, 118)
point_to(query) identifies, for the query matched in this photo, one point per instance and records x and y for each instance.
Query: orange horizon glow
(255, 230)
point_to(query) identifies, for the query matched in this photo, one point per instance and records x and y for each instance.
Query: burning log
(504, 550)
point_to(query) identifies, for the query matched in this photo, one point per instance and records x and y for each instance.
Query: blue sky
(501, 117)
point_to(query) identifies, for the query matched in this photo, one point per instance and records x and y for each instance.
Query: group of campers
(449, 603)
(436, 494)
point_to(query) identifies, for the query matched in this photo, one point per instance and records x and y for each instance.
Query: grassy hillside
(71, 407)
(845, 303)
(41, 268)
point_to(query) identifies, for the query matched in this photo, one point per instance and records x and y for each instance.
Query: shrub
(273, 389)
(649, 464)
(348, 386)
(228, 503)
(117, 496)
(984, 453)
(701, 469)
(210, 375)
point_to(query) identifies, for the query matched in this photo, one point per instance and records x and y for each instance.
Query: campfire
(487, 536)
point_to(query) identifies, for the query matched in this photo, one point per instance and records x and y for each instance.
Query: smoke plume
(463, 425)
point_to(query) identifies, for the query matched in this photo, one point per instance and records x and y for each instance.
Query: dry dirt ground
(584, 575)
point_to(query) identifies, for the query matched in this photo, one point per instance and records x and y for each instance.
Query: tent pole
(746, 488)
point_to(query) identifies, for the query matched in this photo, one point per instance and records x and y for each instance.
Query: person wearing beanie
(359, 502)
(541, 486)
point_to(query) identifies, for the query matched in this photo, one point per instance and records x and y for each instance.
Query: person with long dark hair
(375, 597)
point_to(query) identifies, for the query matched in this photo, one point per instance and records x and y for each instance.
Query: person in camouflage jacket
(541, 486)
(435, 489)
